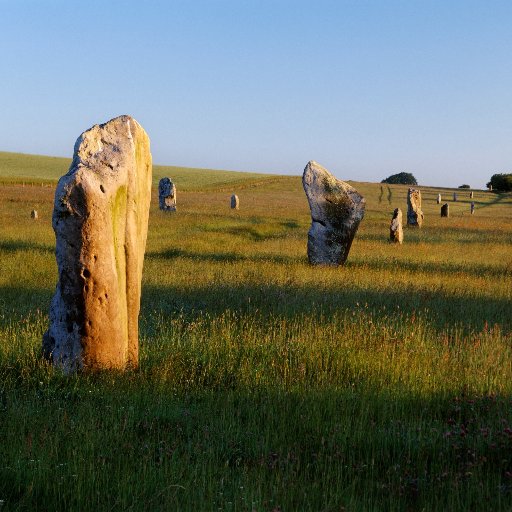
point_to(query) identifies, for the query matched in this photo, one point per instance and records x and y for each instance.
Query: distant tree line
(464, 186)
(501, 182)
(402, 178)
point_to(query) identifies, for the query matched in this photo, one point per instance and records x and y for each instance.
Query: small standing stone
(490, 188)
(167, 195)
(414, 214)
(471, 195)
(336, 211)
(472, 207)
(455, 196)
(100, 219)
(445, 210)
(33, 214)
(438, 198)
(235, 202)
(396, 233)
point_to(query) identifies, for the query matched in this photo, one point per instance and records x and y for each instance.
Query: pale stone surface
(235, 202)
(336, 211)
(167, 195)
(439, 199)
(100, 220)
(34, 215)
(471, 195)
(414, 212)
(445, 210)
(396, 233)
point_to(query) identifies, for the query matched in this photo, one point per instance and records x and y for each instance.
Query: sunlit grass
(266, 384)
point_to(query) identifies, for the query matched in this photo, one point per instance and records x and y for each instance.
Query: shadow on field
(442, 310)
(23, 245)
(225, 257)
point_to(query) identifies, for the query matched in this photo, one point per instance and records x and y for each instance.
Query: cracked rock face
(167, 195)
(235, 202)
(414, 213)
(396, 233)
(100, 220)
(336, 211)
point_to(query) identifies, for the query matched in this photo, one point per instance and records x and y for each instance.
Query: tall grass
(266, 384)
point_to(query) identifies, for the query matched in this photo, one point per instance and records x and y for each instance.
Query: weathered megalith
(34, 215)
(336, 211)
(100, 219)
(167, 195)
(438, 198)
(414, 213)
(396, 233)
(472, 207)
(235, 202)
(445, 210)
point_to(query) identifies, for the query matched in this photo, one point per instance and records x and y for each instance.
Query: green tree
(402, 178)
(501, 182)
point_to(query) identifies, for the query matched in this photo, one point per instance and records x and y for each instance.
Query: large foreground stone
(100, 220)
(414, 213)
(396, 232)
(336, 211)
(445, 210)
(167, 195)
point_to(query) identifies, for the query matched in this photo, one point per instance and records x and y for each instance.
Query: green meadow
(266, 384)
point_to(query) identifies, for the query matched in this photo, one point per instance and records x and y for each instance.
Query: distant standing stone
(235, 202)
(438, 198)
(414, 213)
(167, 195)
(471, 195)
(33, 214)
(445, 210)
(336, 211)
(472, 208)
(455, 196)
(100, 219)
(396, 233)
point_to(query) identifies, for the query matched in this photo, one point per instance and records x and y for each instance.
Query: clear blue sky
(366, 88)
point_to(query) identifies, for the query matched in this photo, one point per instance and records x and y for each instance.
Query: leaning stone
(445, 210)
(414, 213)
(33, 215)
(438, 198)
(235, 202)
(100, 219)
(396, 233)
(336, 211)
(167, 195)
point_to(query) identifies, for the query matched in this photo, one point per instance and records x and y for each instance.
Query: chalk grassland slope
(266, 384)
(19, 168)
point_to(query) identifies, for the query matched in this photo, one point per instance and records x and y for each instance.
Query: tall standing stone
(455, 196)
(34, 215)
(336, 211)
(439, 199)
(396, 233)
(235, 202)
(414, 212)
(472, 207)
(167, 195)
(100, 219)
(471, 195)
(445, 210)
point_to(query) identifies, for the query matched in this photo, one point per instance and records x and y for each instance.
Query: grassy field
(267, 384)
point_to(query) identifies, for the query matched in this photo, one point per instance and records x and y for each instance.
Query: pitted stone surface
(100, 220)
(167, 195)
(336, 211)
(414, 213)
(396, 233)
